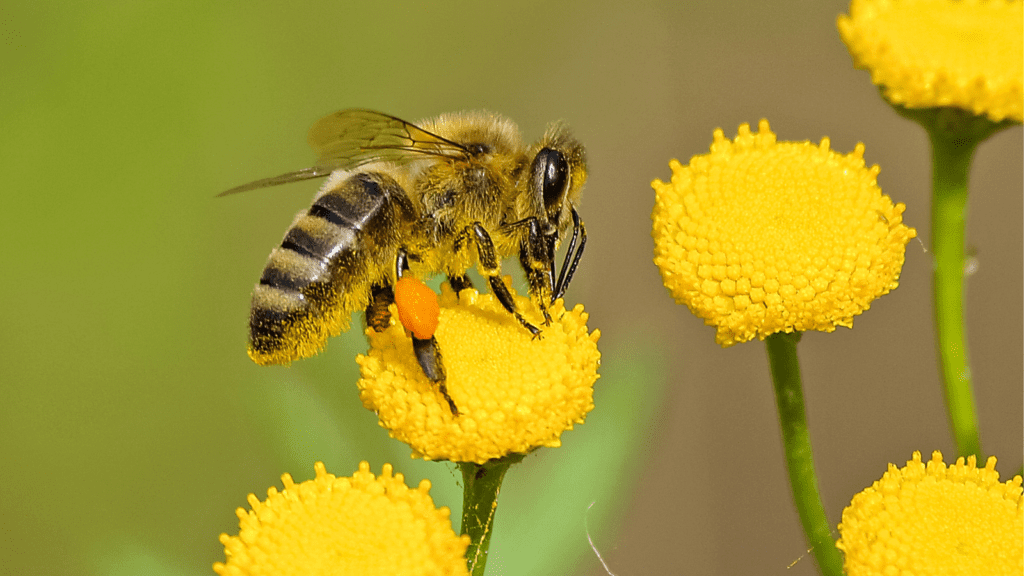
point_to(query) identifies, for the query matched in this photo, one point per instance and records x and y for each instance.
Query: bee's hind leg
(428, 354)
(382, 296)
(427, 351)
(378, 316)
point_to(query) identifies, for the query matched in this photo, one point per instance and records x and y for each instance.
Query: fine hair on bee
(436, 197)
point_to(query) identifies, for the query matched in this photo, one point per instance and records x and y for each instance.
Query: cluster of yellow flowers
(515, 393)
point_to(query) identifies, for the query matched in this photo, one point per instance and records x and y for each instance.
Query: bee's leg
(378, 316)
(565, 275)
(537, 255)
(491, 268)
(401, 263)
(459, 282)
(428, 354)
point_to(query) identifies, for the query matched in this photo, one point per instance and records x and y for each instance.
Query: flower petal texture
(514, 392)
(931, 519)
(928, 53)
(362, 525)
(760, 236)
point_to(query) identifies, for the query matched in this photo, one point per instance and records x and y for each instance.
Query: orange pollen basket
(417, 307)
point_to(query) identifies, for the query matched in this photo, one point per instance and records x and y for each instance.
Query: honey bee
(437, 197)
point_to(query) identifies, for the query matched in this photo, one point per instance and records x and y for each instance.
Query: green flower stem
(951, 163)
(796, 440)
(955, 135)
(480, 486)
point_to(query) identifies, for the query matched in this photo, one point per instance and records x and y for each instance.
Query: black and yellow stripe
(325, 266)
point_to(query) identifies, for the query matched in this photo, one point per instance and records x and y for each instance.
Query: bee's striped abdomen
(319, 274)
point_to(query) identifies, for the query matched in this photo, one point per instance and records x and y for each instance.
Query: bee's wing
(351, 138)
(304, 174)
(354, 137)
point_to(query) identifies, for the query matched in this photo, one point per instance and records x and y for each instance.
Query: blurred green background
(133, 424)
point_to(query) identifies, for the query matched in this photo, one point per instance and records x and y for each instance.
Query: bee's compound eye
(550, 175)
(418, 309)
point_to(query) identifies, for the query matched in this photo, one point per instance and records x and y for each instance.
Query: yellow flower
(359, 525)
(514, 392)
(928, 53)
(760, 236)
(930, 519)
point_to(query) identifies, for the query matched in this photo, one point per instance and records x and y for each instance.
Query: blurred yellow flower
(932, 520)
(360, 525)
(760, 236)
(514, 392)
(928, 53)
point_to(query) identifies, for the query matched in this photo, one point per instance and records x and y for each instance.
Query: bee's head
(556, 177)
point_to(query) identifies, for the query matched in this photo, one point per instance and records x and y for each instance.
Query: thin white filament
(591, 540)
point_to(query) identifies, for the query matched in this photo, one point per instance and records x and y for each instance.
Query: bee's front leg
(491, 268)
(537, 256)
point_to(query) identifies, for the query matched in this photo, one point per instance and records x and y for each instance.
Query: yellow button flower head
(929, 520)
(359, 525)
(514, 392)
(928, 53)
(760, 236)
